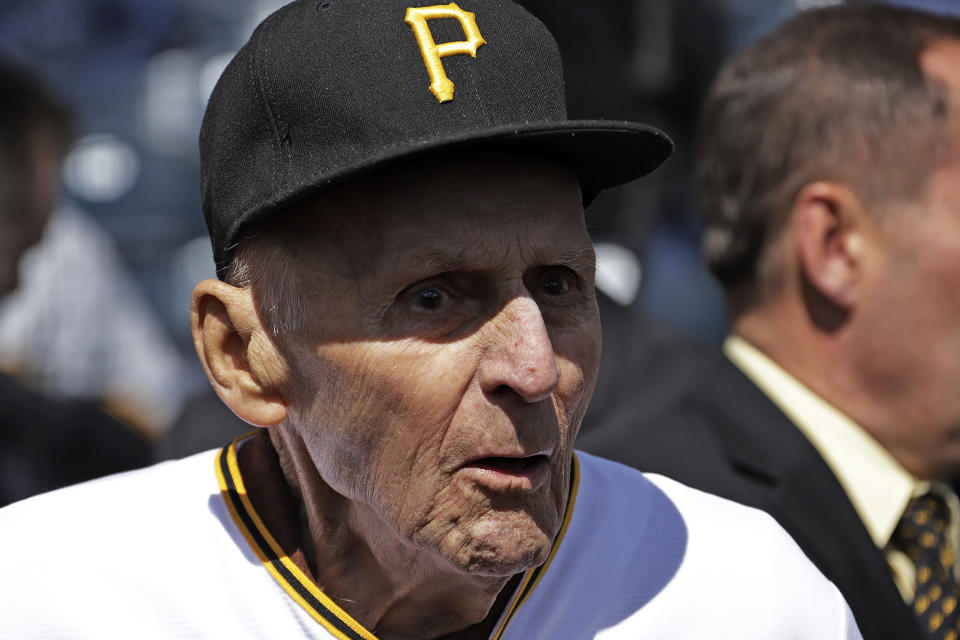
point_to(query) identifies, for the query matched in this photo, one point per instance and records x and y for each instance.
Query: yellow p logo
(440, 85)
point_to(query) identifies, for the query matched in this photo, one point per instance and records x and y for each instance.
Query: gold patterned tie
(921, 534)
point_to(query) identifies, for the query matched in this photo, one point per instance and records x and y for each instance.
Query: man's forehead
(941, 64)
(449, 213)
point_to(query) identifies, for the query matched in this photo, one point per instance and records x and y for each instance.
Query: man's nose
(519, 356)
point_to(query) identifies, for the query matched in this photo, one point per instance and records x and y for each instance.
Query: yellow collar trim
(287, 574)
(299, 587)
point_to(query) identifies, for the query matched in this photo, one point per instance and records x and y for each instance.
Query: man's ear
(241, 362)
(829, 225)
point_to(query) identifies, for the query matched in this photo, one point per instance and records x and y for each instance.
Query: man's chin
(502, 547)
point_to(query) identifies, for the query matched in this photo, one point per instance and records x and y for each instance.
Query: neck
(390, 587)
(799, 350)
(829, 364)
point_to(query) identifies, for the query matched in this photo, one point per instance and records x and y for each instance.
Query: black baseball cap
(328, 90)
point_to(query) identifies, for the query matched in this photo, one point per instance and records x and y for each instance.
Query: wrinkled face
(913, 319)
(452, 345)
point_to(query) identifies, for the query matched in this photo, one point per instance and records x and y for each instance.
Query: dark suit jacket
(712, 428)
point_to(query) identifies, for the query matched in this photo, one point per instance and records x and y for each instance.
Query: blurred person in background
(77, 325)
(44, 443)
(829, 168)
(33, 140)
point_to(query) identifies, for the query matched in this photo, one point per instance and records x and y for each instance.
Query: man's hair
(833, 94)
(263, 263)
(26, 108)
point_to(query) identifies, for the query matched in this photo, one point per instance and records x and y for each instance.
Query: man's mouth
(511, 465)
(510, 474)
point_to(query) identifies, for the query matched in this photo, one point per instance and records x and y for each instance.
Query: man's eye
(555, 285)
(430, 298)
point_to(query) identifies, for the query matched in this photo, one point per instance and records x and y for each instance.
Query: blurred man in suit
(829, 167)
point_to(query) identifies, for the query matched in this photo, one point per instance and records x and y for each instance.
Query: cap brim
(602, 153)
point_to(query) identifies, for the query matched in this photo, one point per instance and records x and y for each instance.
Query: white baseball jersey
(177, 551)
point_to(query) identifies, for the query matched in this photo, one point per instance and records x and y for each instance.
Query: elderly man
(829, 163)
(406, 305)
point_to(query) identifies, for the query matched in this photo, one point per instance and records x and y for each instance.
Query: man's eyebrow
(580, 255)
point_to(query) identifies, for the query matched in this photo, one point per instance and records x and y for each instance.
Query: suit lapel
(795, 485)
